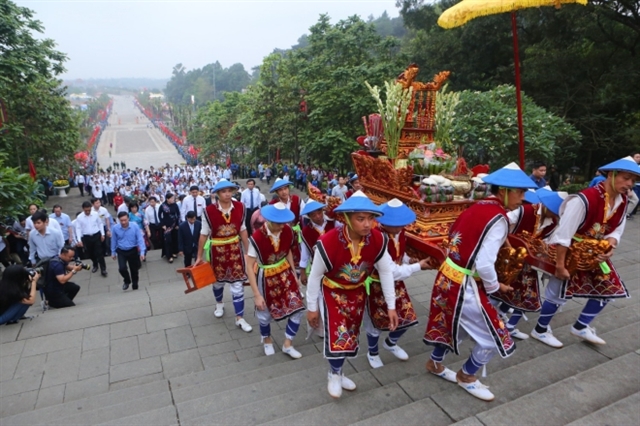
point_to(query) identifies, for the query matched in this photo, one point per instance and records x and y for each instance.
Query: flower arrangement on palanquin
(60, 183)
(581, 256)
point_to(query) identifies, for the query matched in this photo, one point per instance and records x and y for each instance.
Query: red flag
(228, 161)
(32, 170)
(71, 172)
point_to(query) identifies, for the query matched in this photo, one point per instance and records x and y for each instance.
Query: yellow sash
(217, 242)
(454, 272)
(328, 282)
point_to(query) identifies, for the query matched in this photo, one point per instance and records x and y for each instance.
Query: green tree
(17, 190)
(40, 124)
(486, 129)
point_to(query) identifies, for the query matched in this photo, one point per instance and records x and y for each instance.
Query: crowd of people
(353, 267)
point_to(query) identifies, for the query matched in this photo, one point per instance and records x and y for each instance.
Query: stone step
(417, 413)
(135, 406)
(623, 412)
(45, 415)
(235, 368)
(572, 398)
(165, 416)
(362, 405)
(274, 406)
(526, 371)
(230, 392)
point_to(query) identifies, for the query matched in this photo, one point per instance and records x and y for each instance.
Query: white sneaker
(547, 338)
(478, 390)
(292, 352)
(396, 350)
(519, 334)
(374, 361)
(347, 383)
(588, 334)
(334, 385)
(219, 312)
(244, 325)
(448, 375)
(268, 349)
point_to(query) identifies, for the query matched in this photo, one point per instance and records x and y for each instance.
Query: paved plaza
(156, 356)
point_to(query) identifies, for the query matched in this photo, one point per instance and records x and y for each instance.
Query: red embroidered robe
(310, 235)
(278, 285)
(343, 290)
(227, 258)
(466, 236)
(295, 209)
(596, 284)
(377, 306)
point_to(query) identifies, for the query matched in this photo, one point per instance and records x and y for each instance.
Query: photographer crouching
(17, 292)
(59, 291)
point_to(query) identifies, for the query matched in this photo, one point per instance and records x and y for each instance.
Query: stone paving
(182, 365)
(156, 356)
(128, 140)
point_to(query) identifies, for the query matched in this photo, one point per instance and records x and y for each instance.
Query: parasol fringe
(467, 10)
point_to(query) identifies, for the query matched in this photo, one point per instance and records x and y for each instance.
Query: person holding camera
(59, 290)
(17, 293)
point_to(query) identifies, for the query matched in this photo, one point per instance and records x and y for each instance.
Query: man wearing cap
(460, 304)
(392, 222)
(594, 213)
(318, 225)
(275, 289)
(281, 188)
(537, 217)
(344, 258)
(192, 202)
(222, 229)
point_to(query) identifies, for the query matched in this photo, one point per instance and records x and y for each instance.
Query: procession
(390, 222)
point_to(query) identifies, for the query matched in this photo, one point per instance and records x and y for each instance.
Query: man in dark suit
(188, 236)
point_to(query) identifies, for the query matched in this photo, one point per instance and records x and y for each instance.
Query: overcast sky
(146, 38)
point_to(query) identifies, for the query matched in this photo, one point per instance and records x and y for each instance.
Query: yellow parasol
(467, 10)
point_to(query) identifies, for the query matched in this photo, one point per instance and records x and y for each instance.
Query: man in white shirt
(44, 241)
(106, 219)
(80, 183)
(192, 202)
(90, 234)
(64, 221)
(96, 189)
(250, 197)
(340, 190)
(151, 214)
(28, 225)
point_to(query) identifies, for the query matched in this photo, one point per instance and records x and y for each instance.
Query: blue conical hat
(395, 213)
(510, 176)
(277, 213)
(551, 199)
(358, 202)
(279, 183)
(312, 206)
(531, 197)
(222, 184)
(626, 164)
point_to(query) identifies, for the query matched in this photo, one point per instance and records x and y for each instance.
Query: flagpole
(516, 59)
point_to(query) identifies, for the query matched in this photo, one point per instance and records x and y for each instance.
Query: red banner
(32, 170)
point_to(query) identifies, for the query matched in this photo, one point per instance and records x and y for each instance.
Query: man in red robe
(460, 305)
(281, 188)
(223, 230)
(594, 213)
(343, 260)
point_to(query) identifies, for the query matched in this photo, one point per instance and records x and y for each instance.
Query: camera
(83, 265)
(33, 271)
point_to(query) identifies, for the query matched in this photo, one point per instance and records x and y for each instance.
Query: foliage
(486, 127)
(200, 82)
(40, 125)
(446, 104)
(573, 188)
(17, 190)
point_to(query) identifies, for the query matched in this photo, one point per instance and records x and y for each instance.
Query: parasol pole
(516, 59)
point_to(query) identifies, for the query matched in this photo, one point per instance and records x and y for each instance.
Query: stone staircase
(233, 383)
